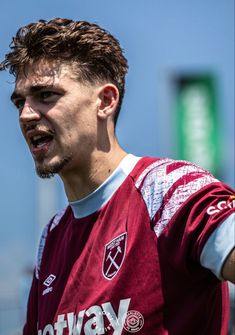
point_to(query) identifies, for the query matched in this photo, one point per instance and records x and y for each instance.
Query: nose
(29, 113)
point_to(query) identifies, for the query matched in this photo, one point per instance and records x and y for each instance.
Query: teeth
(40, 140)
(36, 137)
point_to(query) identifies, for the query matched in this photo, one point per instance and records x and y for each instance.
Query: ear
(108, 101)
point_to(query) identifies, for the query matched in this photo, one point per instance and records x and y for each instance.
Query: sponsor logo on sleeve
(222, 205)
(114, 253)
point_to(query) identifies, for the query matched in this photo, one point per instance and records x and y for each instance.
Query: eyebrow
(33, 89)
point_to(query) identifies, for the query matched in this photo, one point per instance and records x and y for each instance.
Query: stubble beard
(46, 170)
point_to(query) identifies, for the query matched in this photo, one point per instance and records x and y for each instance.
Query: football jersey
(130, 257)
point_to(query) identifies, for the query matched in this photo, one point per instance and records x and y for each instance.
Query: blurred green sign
(198, 128)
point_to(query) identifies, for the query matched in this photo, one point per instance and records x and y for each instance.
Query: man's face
(57, 116)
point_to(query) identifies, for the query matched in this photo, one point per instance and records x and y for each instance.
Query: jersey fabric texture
(133, 264)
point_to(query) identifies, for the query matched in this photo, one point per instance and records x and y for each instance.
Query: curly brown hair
(96, 52)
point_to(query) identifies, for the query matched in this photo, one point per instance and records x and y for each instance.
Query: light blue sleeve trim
(218, 246)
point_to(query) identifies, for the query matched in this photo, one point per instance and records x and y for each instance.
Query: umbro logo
(48, 283)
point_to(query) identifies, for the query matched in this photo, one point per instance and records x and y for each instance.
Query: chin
(49, 170)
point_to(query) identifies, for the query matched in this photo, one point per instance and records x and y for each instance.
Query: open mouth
(39, 141)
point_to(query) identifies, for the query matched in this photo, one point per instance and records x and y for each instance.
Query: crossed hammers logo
(112, 260)
(113, 257)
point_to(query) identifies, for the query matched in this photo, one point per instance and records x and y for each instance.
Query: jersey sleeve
(209, 226)
(32, 309)
(186, 205)
(32, 306)
(47, 229)
(218, 246)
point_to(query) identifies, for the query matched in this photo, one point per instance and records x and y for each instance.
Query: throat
(81, 179)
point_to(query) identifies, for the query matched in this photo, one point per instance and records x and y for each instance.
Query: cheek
(75, 120)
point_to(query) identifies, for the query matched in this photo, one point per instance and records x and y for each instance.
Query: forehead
(43, 72)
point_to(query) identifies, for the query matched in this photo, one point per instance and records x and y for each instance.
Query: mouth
(40, 141)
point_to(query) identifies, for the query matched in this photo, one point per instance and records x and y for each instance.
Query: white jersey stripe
(157, 182)
(181, 194)
(151, 167)
(40, 250)
(56, 219)
(42, 242)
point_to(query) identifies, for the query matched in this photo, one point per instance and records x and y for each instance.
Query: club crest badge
(114, 253)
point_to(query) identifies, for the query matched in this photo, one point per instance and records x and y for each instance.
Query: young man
(145, 245)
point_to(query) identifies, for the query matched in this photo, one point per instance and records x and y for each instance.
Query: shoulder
(169, 171)
(167, 177)
(166, 185)
(46, 231)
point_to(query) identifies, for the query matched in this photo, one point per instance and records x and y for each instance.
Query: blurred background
(179, 103)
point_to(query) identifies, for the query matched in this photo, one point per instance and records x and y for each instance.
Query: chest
(100, 265)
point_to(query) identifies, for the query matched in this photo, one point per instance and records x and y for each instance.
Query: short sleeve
(218, 246)
(186, 205)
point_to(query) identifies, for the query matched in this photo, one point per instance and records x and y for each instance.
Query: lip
(36, 151)
(42, 148)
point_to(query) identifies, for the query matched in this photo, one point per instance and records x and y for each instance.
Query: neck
(85, 177)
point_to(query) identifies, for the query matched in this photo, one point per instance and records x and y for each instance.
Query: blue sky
(161, 38)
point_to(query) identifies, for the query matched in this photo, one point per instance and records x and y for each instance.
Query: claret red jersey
(128, 258)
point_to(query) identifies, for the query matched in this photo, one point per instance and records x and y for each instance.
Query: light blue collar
(97, 199)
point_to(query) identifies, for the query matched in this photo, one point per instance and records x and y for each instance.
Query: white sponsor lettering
(95, 325)
(60, 324)
(48, 330)
(115, 320)
(75, 323)
(220, 206)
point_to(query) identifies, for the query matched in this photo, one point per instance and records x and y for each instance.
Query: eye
(45, 95)
(19, 103)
